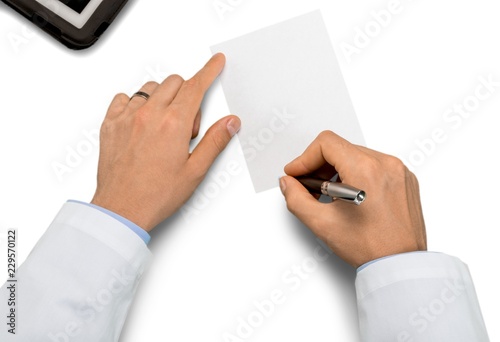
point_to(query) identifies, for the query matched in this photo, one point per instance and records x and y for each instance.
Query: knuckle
(192, 83)
(118, 103)
(395, 164)
(219, 141)
(174, 110)
(121, 97)
(328, 137)
(141, 117)
(174, 78)
(107, 127)
(325, 135)
(372, 166)
(413, 178)
(142, 113)
(150, 84)
(290, 204)
(396, 168)
(172, 122)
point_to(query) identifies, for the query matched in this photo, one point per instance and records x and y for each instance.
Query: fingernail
(282, 185)
(233, 126)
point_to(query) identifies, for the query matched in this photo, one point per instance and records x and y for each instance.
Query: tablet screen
(75, 12)
(76, 5)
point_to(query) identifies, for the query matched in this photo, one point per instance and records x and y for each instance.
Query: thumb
(214, 142)
(300, 202)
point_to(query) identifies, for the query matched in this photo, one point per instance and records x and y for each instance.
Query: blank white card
(285, 84)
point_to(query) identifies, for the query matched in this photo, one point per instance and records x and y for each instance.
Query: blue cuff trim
(135, 228)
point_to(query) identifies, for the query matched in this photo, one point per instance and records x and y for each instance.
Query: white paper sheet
(285, 84)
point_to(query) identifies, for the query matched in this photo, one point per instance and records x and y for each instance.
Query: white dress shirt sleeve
(79, 281)
(418, 296)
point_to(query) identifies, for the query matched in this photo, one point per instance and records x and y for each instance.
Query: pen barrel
(337, 191)
(311, 184)
(343, 192)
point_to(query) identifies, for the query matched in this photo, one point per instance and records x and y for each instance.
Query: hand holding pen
(389, 221)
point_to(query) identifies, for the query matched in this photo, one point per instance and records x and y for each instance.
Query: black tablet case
(65, 32)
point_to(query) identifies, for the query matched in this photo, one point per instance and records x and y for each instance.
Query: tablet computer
(78, 24)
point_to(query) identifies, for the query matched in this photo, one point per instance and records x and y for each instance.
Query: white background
(211, 266)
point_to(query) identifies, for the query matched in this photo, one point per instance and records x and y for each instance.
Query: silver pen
(335, 190)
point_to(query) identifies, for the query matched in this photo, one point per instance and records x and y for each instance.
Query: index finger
(192, 91)
(327, 148)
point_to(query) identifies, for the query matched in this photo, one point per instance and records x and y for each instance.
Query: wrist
(125, 210)
(129, 224)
